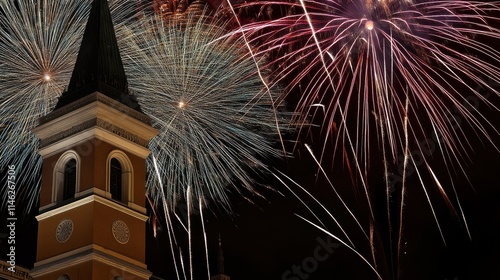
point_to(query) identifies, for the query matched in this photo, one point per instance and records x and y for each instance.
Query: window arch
(119, 173)
(66, 177)
(63, 277)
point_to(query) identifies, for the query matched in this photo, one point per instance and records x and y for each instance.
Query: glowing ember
(369, 25)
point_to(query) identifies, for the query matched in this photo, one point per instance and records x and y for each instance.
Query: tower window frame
(126, 178)
(62, 181)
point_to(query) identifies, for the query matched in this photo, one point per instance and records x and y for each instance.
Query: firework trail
(388, 79)
(39, 42)
(216, 119)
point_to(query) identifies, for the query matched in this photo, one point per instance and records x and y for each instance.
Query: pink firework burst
(402, 82)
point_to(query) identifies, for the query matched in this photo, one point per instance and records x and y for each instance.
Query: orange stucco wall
(93, 154)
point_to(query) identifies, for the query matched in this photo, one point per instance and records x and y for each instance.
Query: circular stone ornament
(120, 231)
(64, 230)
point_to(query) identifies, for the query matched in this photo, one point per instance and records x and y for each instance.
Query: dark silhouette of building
(220, 264)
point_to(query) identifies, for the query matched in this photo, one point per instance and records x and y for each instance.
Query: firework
(216, 119)
(368, 58)
(173, 8)
(39, 42)
(387, 79)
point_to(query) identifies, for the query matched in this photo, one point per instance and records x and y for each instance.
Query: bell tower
(91, 221)
(220, 265)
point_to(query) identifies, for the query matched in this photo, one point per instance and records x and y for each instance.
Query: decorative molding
(96, 96)
(137, 208)
(94, 116)
(64, 230)
(96, 122)
(95, 133)
(122, 132)
(91, 253)
(92, 190)
(66, 133)
(121, 143)
(90, 199)
(120, 231)
(107, 195)
(78, 251)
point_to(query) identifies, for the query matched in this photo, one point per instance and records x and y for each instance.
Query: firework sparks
(216, 122)
(215, 117)
(368, 57)
(39, 42)
(388, 76)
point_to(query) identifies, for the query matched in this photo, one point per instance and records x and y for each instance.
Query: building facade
(91, 221)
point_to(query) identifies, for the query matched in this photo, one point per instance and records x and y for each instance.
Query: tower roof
(99, 66)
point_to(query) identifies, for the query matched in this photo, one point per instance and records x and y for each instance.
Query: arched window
(63, 277)
(115, 179)
(69, 188)
(66, 178)
(120, 176)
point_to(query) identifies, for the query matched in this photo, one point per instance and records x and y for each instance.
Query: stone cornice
(95, 115)
(91, 253)
(98, 133)
(90, 199)
(96, 96)
(95, 123)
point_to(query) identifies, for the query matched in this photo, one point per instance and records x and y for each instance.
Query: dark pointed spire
(220, 264)
(99, 66)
